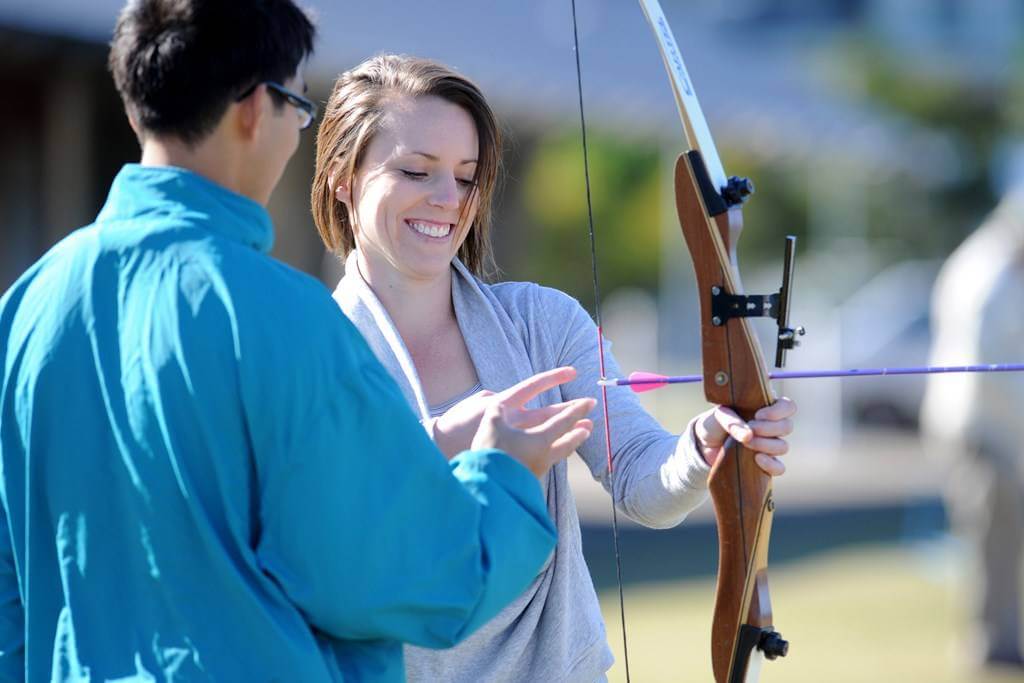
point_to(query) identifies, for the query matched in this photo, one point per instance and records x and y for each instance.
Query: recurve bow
(735, 374)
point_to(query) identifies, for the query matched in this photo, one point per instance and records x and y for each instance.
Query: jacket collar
(179, 194)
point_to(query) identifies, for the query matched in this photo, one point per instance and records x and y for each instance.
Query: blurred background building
(871, 127)
(880, 133)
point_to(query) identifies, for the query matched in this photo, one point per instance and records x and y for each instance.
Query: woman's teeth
(431, 229)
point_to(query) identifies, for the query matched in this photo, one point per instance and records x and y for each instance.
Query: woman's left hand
(454, 431)
(764, 434)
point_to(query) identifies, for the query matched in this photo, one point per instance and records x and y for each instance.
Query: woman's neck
(418, 307)
(424, 315)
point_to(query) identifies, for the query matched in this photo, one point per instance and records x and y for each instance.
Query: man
(205, 473)
(974, 421)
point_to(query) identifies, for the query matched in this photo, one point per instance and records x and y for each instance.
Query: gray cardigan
(554, 630)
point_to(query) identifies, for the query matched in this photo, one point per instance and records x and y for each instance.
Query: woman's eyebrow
(434, 157)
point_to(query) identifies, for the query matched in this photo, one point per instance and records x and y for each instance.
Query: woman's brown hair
(353, 116)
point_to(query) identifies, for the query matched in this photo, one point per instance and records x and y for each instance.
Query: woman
(407, 157)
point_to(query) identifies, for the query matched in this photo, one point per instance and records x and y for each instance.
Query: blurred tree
(626, 196)
(909, 218)
(626, 190)
(904, 214)
(777, 208)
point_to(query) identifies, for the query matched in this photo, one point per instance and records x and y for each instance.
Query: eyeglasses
(306, 108)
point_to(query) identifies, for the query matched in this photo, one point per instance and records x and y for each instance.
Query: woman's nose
(445, 193)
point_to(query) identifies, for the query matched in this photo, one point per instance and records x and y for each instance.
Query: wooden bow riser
(735, 375)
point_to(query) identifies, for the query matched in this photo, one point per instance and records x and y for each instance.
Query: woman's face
(410, 189)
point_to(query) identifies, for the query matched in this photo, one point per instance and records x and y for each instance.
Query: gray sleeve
(658, 477)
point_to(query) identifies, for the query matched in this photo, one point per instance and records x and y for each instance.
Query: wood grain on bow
(735, 374)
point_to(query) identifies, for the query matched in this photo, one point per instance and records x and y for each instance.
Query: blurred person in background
(206, 474)
(407, 158)
(976, 421)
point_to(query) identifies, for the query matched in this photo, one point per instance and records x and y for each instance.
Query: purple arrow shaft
(856, 372)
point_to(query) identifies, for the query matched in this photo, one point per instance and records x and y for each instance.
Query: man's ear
(248, 113)
(134, 123)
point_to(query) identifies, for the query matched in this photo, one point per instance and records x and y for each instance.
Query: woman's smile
(431, 230)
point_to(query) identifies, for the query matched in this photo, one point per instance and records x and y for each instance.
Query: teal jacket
(206, 475)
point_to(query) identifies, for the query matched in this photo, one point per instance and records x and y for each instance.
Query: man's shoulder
(277, 289)
(249, 262)
(296, 307)
(59, 263)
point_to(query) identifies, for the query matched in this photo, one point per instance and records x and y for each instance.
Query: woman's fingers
(781, 409)
(768, 446)
(765, 434)
(565, 419)
(771, 421)
(716, 425)
(775, 428)
(771, 466)
(539, 447)
(525, 418)
(564, 445)
(520, 394)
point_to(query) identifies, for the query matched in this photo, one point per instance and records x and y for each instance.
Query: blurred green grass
(863, 614)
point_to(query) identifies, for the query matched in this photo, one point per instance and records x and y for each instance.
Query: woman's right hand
(536, 437)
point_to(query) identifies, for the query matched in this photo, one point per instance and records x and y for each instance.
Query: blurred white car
(887, 324)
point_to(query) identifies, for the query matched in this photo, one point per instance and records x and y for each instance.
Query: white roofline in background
(765, 92)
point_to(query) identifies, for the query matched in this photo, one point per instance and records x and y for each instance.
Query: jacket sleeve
(12, 613)
(374, 535)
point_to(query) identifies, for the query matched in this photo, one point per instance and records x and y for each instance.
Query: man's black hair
(179, 64)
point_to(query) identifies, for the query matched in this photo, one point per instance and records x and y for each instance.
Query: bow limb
(735, 374)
